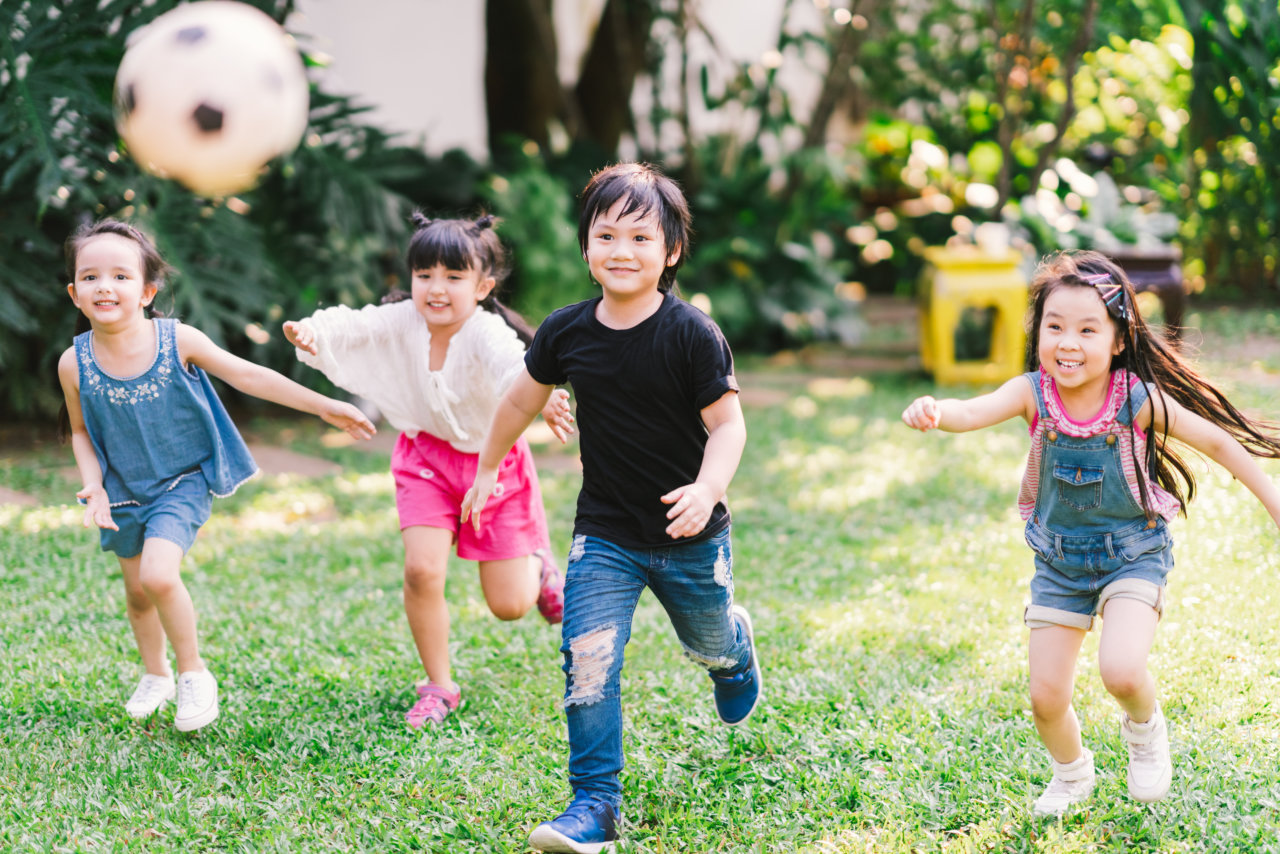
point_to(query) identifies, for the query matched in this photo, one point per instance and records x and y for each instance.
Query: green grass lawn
(886, 575)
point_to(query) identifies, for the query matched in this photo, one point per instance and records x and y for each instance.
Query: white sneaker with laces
(1150, 769)
(152, 692)
(197, 700)
(1071, 784)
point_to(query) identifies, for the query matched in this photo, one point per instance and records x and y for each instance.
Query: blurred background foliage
(1075, 123)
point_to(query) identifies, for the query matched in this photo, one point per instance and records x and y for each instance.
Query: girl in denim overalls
(153, 445)
(1103, 396)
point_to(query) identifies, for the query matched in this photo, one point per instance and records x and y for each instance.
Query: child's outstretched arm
(195, 347)
(97, 507)
(693, 503)
(1216, 444)
(525, 398)
(1015, 397)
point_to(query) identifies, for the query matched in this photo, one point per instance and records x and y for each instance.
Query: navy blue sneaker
(737, 692)
(586, 827)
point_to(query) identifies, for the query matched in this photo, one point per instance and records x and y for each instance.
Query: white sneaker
(1150, 769)
(152, 693)
(1071, 784)
(197, 700)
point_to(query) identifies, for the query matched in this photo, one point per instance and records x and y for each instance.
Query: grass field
(886, 574)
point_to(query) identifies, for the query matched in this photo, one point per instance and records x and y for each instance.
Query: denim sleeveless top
(1084, 480)
(152, 430)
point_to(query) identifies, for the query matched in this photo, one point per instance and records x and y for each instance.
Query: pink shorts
(432, 477)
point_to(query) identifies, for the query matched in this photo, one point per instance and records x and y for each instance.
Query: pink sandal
(550, 589)
(434, 705)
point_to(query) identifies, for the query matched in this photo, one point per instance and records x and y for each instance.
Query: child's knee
(591, 660)
(135, 597)
(1049, 699)
(424, 575)
(1123, 678)
(158, 582)
(509, 610)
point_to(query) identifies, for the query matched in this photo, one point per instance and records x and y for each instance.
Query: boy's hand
(97, 508)
(692, 509)
(478, 495)
(346, 416)
(300, 335)
(558, 416)
(923, 414)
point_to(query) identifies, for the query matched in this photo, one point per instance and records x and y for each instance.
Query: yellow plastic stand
(961, 278)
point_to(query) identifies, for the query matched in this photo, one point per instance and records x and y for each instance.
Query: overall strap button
(1111, 438)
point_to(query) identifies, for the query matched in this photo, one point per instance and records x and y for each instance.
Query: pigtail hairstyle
(1154, 362)
(154, 269)
(643, 189)
(459, 244)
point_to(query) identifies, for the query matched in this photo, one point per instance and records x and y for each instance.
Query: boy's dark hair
(154, 269)
(644, 190)
(460, 244)
(1154, 361)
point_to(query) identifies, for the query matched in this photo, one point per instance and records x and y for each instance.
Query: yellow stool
(964, 291)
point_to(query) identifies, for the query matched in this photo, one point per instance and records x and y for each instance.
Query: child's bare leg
(426, 558)
(1052, 659)
(510, 586)
(1128, 629)
(148, 633)
(161, 579)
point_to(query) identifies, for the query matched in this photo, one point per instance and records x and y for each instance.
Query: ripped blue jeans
(603, 583)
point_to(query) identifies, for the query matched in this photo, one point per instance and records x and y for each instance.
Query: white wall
(420, 63)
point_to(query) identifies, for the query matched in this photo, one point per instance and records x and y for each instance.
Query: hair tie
(420, 220)
(1112, 295)
(484, 222)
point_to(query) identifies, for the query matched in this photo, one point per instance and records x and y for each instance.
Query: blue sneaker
(737, 692)
(586, 827)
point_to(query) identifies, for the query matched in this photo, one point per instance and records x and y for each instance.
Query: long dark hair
(154, 269)
(461, 244)
(1154, 361)
(643, 189)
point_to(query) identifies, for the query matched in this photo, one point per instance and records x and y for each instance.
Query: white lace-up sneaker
(197, 700)
(1071, 784)
(1150, 770)
(152, 693)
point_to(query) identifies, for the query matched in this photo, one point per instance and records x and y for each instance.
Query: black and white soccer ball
(208, 93)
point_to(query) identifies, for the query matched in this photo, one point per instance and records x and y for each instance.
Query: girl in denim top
(1104, 396)
(153, 445)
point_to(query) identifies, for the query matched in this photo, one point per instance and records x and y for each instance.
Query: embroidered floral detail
(131, 391)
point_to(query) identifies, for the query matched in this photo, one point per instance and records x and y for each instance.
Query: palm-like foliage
(326, 225)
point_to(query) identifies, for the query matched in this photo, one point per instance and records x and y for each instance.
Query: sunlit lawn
(886, 574)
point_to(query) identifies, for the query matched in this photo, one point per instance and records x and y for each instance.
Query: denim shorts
(1076, 575)
(176, 516)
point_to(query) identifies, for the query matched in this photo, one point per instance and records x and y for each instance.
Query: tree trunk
(522, 89)
(614, 60)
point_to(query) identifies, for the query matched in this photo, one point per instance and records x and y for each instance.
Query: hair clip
(420, 220)
(1112, 295)
(484, 222)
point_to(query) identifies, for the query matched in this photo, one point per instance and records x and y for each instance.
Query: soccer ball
(208, 93)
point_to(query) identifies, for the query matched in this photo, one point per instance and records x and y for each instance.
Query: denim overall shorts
(1092, 540)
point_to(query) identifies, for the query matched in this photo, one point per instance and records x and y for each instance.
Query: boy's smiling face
(627, 253)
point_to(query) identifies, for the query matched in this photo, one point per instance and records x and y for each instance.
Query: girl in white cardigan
(436, 364)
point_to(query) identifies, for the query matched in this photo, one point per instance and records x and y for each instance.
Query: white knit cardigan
(382, 353)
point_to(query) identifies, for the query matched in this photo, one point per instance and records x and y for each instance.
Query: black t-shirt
(640, 393)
